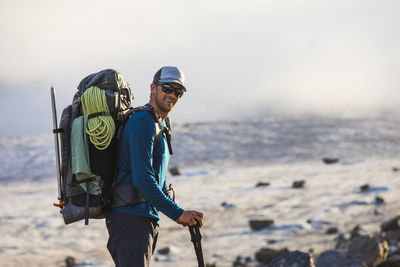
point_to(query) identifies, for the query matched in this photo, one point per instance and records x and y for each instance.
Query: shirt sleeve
(141, 140)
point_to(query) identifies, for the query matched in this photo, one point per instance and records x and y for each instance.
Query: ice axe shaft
(56, 141)
(196, 239)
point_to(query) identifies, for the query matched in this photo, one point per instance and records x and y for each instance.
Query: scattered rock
(342, 244)
(260, 184)
(266, 255)
(70, 261)
(260, 224)
(293, 259)
(333, 258)
(394, 253)
(164, 251)
(392, 224)
(227, 205)
(391, 262)
(355, 232)
(364, 188)
(330, 160)
(368, 249)
(241, 261)
(217, 255)
(393, 237)
(379, 200)
(298, 184)
(175, 171)
(332, 230)
(317, 224)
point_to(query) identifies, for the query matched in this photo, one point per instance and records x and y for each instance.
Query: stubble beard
(164, 106)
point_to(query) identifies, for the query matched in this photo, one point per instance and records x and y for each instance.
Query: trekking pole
(56, 130)
(196, 239)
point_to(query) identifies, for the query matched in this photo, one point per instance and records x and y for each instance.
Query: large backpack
(89, 132)
(107, 97)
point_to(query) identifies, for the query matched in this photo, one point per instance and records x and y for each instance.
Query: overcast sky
(240, 58)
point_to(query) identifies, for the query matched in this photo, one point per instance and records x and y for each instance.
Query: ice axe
(196, 239)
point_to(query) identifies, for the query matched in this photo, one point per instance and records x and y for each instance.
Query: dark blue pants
(132, 239)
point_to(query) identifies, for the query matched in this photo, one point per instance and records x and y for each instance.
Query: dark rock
(175, 171)
(394, 253)
(355, 232)
(241, 261)
(395, 169)
(330, 160)
(368, 249)
(393, 237)
(342, 244)
(293, 259)
(164, 251)
(266, 255)
(70, 261)
(260, 224)
(298, 184)
(214, 264)
(331, 231)
(392, 224)
(333, 258)
(391, 262)
(259, 184)
(272, 241)
(227, 205)
(364, 188)
(379, 200)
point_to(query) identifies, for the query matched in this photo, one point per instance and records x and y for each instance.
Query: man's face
(166, 97)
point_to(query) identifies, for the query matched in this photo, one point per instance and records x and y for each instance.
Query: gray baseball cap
(169, 74)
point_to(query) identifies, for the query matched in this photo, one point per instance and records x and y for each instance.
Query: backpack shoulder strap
(159, 131)
(159, 128)
(168, 133)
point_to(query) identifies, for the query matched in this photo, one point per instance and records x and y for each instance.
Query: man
(143, 162)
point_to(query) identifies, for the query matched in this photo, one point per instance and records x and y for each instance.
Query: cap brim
(173, 81)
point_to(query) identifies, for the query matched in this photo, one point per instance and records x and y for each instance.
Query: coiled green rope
(100, 129)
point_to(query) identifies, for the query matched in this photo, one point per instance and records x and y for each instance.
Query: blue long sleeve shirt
(137, 155)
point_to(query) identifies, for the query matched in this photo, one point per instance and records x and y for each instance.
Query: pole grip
(196, 239)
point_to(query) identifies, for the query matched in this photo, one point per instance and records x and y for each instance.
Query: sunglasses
(166, 88)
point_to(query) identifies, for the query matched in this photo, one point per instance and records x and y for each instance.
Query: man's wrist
(178, 214)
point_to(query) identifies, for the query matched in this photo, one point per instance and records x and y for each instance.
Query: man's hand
(190, 217)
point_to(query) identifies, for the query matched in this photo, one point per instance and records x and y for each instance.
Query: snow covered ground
(221, 164)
